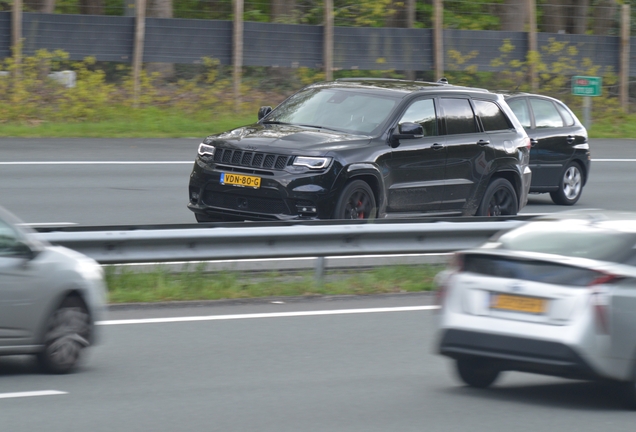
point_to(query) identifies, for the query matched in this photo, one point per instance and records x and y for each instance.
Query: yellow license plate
(519, 303)
(240, 180)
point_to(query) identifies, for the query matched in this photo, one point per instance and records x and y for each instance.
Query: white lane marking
(47, 224)
(31, 394)
(265, 315)
(100, 163)
(175, 162)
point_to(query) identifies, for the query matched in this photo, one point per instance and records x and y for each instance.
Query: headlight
(312, 162)
(89, 269)
(206, 150)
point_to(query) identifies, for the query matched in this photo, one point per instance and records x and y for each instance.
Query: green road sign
(586, 86)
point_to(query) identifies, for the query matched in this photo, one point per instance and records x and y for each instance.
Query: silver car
(555, 296)
(50, 298)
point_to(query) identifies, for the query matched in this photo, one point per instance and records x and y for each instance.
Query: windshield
(569, 238)
(337, 109)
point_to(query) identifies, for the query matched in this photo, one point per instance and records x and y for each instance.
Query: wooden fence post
(16, 34)
(327, 40)
(138, 50)
(623, 85)
(438, 38)
(237, 52)
(533, 46)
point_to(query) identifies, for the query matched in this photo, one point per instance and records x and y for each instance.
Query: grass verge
(125, 122)
(126, 286)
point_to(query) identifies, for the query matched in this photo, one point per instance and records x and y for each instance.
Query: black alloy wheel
(67, 333)
(356, 202)
(570, 186)
(499, 199)
(477, 372)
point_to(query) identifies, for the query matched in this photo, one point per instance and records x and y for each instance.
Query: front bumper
(282, 195)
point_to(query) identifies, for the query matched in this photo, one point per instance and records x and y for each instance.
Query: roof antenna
(442, 80)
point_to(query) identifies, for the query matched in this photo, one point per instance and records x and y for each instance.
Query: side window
(545, 114)
(569, 120)
(459, 116)
(491, 116)
(520, 108)
(8, 239)
(422, 112)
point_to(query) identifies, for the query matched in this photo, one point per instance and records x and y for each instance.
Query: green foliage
(555, 65)
(471, 15)
(196, 283)
(27, 95)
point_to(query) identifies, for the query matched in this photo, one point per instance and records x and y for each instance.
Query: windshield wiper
(275, 122)
(319, 127)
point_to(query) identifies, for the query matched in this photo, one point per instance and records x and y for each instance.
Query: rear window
(569, 238)
(545, 114)
(536, 271)
(491, 116)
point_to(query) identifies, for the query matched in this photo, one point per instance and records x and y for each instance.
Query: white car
(50, 298)
(555, 296)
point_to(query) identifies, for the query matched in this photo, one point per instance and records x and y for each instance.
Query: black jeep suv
(367, 148)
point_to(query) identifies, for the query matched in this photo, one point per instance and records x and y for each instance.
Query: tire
(477, 372)
(570, 186)
(500, 199)
(628, 390)
(356, 202)
(67, 333)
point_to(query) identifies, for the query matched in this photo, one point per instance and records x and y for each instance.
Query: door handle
(570, 139)
(533, 142)
(482, 142)
(437, 146)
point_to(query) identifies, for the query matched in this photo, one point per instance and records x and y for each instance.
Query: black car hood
(266, 138)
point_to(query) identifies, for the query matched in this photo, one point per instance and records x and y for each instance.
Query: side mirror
(407, 130)
(23, 250)
(263, 111)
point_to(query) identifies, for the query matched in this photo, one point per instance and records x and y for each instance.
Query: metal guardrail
(250, 242)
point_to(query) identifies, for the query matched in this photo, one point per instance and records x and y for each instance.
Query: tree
(514, 14)
(160, 9)
(43, 6)
(565, 16)
(91, 7)
(283, 11)
(604, 17)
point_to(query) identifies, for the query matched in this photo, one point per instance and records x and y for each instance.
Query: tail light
(528, 143)
(600, 301)
(455, 265)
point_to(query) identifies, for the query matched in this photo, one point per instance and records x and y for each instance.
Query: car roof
(397, 85)
(510, 95)
(611, 220)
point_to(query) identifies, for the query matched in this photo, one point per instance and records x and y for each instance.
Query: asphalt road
(344, 372)
(144, 181)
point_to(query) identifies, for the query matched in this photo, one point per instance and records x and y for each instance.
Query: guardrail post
(320, 270)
